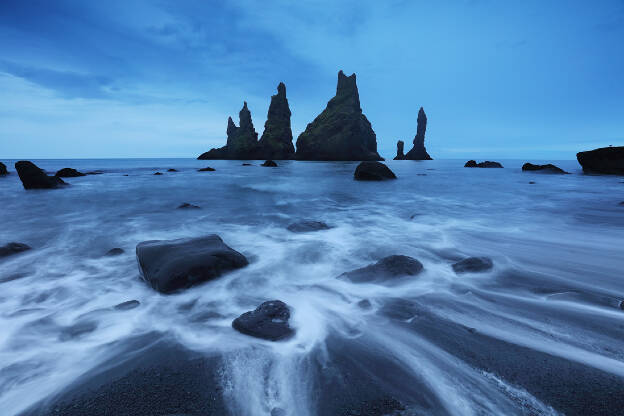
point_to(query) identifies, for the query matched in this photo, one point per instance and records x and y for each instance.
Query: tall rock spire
(242, 141)
(419, 152)
(276, 141)
(400, 155)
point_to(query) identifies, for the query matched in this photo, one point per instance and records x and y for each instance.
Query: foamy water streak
(554, 290)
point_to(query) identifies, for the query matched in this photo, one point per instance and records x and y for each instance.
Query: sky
(539, 79)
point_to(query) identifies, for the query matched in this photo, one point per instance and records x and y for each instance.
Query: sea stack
(609, 160)
(242, 141)
(34, 178)
(341, 131)
(419, 152)
(400, 146)
(277, 140)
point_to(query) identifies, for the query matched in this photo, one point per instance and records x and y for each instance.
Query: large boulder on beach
(486, 164)
(609, 160)
(473, 265)
(3, 169)
(549, 168)
(34, 178)
(419, 152)
(69, 173)
(268, 321)
(388, 268)
(373, 171)
(169, 265)
(13, 248)
(341, 131)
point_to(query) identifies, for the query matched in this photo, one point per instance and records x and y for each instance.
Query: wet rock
(365, 304)
(473, 265)
(278, 411)
(341, 131)
(608, 160)
(206, 169)
(172, 170)
(400, 146)
(307, 226)
(486, 164)
(419, 152)
(268, 321)
(549, 168)
(115, 252)
(34, 178)
(373, 171)
(186, 205)
(246, 164)
(242, 141)
(157, 173)
(277, 139)
(13, 248)
(169, 265)
(127, 305)
(3, 169)
(77, 330)
(622, 305)
(531, 182)
(69, 173)
(388, 268)
(269, 164)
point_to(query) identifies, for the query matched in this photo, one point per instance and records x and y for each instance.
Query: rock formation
(341, 131)
(69, 173)
(549, 168)
(418, 152)
(269, 164)
(400, 155)
(373, 171)
(277, 139)
(608, 160)
(242, 141)
(3, 169)
(486, 164)
(388, 268)
(268, 321)
(13, 248)
(34, 178)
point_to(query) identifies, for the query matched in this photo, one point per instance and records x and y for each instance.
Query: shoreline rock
(373, 171)
(549, 168)
(604, 160)
(268, 321)
(486, 164)
(33, 177)
(388, 268)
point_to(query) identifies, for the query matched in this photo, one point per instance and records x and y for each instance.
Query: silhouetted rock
(246, 164)
(307, 226)
(418, 152)
(388, 268)
(115, 252)
(3, 169)
(373, 171)
(473, 265)
(69, 173)
(169, 265)
(341, 131)
(268, 321)
(400, 155)
(269, 164)
(609, 160)
(34, 178)
(157, 174)
(97, 172)
(206, 169)
(130, 304)
(531, 183)
(486, 164)
(186, 205)
(242, 141)
(172, 170)
(549, 168)
(13, 248)
(277, 139)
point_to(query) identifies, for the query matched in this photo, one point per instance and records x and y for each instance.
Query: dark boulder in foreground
(268, 321)
(3, 169)
(269, 164)
(307, 226)
(115, 252)
(419, 152)
(341, 131)
(69, 173)
(609, 160)
(549, 168)
(473, 265)
(186, 205)
(388, 268)
(400, 149)
(206, 169)
(486, 164)
(130, 304)
(169, 265)
(373, 171)
(34, 178)
(13, 248)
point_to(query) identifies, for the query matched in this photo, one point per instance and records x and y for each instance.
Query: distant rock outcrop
(269, 164)
(242, 141)
(341, 131)
(277, 140)
(549, 168)
(418, 152)
(486, 164)
(34, 178)
(373, 171)
(69, 173)
(3, 169)
(400, 146)
(609, 160)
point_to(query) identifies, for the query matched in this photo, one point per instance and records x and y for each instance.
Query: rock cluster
(34, 178)
(341, 131)
(486, 164)
(549, 168)
(609, 160)
(418, 152)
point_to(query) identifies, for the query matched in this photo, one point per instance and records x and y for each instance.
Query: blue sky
(116, 78)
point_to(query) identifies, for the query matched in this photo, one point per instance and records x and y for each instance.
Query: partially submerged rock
(609, 160)
(206, 169)
(419, 152)
(268, 321)
(130, 304)
(341, 131)
(172, 170)
(486, 164)
(115, 252)
(3, 169)
(306, 226)
(34, 178)
(13, 248)
(388, 268)
(186, 205)
(157, 173)
(549, 168)
(373, 171)
(473, 265)
(269, 164)
(69, 173)
(169, 265)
